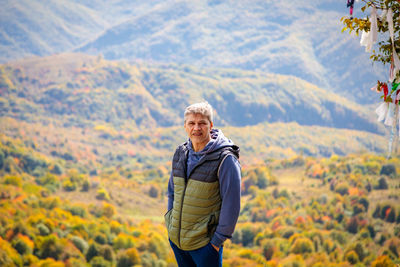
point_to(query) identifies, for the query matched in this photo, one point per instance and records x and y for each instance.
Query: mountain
(81, 107)
(300, 38)
(43, 28)
(89, 89)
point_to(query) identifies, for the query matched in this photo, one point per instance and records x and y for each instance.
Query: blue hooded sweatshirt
(229, 185)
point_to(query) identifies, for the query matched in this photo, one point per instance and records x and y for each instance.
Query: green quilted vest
(192, 221)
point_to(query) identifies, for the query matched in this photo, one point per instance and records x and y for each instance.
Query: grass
(295, 182)
(129, 202)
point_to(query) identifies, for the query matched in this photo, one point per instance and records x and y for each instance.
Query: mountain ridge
(131, 113)
(90, 86)
(292, 38)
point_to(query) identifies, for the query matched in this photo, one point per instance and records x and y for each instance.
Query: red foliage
(363, 223)
(9, 235)
(326, 218)
(300, 220)
(270, 213)
(354, 191)
(19, 198)
(387, 212)
(276, 225)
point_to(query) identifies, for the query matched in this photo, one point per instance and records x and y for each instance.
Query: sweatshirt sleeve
(170, 192)
(229, 182)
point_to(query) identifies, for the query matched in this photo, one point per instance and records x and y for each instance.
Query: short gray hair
(202, 108)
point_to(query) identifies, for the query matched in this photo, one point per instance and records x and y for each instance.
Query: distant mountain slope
(45, 27)
(81, 90)
(299, 38)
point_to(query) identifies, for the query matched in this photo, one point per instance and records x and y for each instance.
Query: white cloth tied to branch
(396, 60)
(382, 111)
(385, 112)
(366, 41)
(374, 25)
(390, 115)
(383, 15)
(370, 37)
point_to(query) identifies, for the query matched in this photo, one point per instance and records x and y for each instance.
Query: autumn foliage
(336, 211)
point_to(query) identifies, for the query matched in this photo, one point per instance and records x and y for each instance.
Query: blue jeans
(206, 256)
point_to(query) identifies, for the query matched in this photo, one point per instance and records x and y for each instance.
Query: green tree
(51, 248)
(99, 261)
(21, 246)
(247, 236)
(128, 258)
(342, 188)
(302, 246)
(102, 194)
(388, 169)
(268, 250)
(92, 252)
(13, 180)
(154, 191)
(157, 246)
(1, 159)
(56, 169)
(69, 185)
(351, 257)
(107, 253)
(382, 184)
(85, 186)
(79, 243)
(352, 225)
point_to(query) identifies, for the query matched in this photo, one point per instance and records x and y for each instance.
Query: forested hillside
(79, 107)
(88, 88)
(303, 211)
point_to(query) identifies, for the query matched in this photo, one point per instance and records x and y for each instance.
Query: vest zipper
(183, 197)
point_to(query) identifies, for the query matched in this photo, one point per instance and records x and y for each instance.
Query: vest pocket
(211, 226)
(167, 218)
